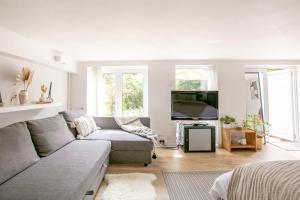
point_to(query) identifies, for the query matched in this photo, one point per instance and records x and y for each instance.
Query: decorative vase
(23, 97)
(42, 98)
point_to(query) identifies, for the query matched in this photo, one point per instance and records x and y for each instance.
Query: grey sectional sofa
(41, 159)
(126, 148)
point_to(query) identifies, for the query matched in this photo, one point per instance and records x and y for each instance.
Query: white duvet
(219, 189)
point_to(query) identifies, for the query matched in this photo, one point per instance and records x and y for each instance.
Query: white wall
(21, 47)
(10, 66)
(161, 77)
(79, 83)
(91, 90)
(16, 52)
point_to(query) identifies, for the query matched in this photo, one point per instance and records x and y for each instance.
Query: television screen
(194, 105)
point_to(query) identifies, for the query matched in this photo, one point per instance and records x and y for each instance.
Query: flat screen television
(194, 105)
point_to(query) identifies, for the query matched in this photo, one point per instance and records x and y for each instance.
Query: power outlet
(161, 140)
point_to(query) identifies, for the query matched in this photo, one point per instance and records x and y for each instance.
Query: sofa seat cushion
(66, 174)
(16, 150)
(49, 134)
(122, 140)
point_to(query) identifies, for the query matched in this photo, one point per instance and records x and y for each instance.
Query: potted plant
(261, 127)
(227, 121)
(25, 78)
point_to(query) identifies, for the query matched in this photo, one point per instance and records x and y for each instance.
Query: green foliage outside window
(132, 103)
(190, 85)
(132, 94)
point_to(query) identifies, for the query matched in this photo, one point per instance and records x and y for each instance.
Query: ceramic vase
(23, 97)
(42, 98)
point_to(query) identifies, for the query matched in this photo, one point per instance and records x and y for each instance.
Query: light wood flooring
(177, 160)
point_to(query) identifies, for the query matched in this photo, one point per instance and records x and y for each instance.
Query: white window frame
(211, 83)
(119, 71)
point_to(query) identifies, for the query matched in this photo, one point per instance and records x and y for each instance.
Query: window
(195, 77)
(123, 91)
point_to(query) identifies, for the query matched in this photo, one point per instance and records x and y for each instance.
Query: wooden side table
(248, 134)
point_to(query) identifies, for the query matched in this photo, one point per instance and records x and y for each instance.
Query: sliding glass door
(282, 104)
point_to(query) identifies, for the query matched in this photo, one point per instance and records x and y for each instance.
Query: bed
(219, 189)
(276, 180)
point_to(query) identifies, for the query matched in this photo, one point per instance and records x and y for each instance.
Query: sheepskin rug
(132, 186)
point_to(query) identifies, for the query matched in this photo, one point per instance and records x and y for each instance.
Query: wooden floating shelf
(25, 107)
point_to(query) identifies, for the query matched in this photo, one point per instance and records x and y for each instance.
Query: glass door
(281, 98)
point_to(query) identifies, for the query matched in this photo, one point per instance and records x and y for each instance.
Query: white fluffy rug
(132, 186)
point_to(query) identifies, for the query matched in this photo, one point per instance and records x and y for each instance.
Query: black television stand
(200, 124)
(198, 138)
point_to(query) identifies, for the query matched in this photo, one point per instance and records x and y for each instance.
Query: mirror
(254, 97)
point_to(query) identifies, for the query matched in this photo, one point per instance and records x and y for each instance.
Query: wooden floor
(177, 160)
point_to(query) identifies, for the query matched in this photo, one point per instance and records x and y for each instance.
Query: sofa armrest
(145, 121)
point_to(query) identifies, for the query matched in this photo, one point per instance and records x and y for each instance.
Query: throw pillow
(17, 150)
(49, 134)
(85, 125)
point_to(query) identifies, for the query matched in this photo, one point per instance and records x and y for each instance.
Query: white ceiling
(159, 29)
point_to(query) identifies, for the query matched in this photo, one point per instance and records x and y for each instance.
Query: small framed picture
(1, 102)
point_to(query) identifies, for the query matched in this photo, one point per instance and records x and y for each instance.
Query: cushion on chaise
(122, 140)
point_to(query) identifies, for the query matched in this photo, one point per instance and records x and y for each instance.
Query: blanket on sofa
(134, 125)
(276, 180)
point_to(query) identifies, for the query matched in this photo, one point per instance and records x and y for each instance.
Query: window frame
(119, 71)
(211, 83)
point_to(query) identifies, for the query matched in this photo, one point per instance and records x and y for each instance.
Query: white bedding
(219, 189)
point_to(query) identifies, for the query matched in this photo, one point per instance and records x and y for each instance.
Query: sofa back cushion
(49, 134)
(70, 117)
(17, 151)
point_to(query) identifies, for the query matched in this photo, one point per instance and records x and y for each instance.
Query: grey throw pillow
(16, 150)
(49, 134)
(70, 117)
